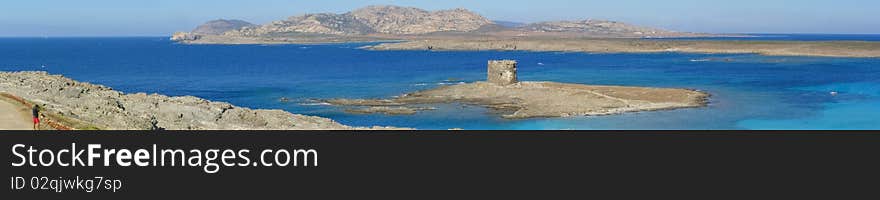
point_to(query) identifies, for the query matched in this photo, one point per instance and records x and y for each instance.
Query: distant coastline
(854, 49)
(463, 30)
(730, 44)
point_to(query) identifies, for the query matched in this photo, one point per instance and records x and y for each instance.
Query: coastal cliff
(103, 108)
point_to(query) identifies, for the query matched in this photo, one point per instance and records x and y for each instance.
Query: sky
(163, 17)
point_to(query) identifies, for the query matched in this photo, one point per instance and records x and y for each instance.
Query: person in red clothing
(36, 112)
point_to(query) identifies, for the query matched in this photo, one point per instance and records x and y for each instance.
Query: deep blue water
(749, 91)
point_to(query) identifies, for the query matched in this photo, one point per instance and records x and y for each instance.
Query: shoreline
(524, 100)
(316, 40)
(89, 106)
(842, 49)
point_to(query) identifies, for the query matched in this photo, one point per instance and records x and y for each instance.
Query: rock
(323, 23)
(104, 108)
(182, 36)
(408, 21)
(393, 20)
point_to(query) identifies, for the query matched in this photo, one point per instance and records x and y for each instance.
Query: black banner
(454, 164)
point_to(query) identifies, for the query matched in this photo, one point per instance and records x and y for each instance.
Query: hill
(220, 26)
(374, 23)
(391, 20)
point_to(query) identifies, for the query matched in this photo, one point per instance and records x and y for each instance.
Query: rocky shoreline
(855, 49)
(505, 94)
(540, 99)
(93, 106)
(844, 49)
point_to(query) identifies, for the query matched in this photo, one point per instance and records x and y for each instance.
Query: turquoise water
(749, 91)
(857, 110)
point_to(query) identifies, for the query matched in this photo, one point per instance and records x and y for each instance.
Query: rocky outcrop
(373, 19)
(406, 21)
(105, 108)
(324, 23)
(220, 26)
(184, 36)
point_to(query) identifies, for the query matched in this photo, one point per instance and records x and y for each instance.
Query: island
(502, 92)
(407, 28)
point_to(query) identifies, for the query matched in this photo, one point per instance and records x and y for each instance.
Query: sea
(751, 92)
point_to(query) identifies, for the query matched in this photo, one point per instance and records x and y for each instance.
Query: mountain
(407, 21)
(379, 23)
(323, 23)
(392, 20)
(220, 26)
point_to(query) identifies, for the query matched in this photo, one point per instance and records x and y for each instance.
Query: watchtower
(502, 72)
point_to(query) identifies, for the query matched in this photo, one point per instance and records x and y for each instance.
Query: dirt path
(13, 117)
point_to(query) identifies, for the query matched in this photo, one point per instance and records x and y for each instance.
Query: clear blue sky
(163, 17)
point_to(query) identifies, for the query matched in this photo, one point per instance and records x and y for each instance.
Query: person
(36, 114)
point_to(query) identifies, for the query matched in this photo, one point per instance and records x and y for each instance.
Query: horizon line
(169, 35)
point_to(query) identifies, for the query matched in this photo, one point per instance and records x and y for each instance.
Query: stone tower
(502, 72)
